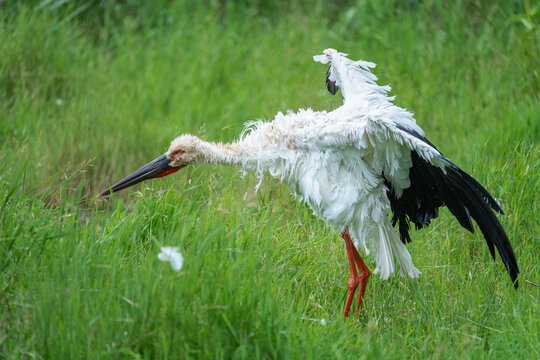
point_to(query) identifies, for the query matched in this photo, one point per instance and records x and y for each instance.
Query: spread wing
(434, 181)
(354, 78)
(419, 178)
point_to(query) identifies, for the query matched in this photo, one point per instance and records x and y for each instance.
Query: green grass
(88, 94)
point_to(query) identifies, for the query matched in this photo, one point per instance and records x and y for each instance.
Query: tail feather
(400, 252)
(388, 246)
(384, 256)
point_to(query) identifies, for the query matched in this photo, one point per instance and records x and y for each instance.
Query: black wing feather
(331, 85)
(473, 195)
(479, 188)
(432, 187)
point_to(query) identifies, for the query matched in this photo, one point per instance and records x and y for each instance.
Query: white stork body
(353, 166)
(334, 161)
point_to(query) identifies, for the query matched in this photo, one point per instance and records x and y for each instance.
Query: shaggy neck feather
(218, 153)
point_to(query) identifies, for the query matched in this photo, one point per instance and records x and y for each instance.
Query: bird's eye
(176, 152)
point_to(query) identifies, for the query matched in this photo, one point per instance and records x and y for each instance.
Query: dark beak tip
(104, 193)
(158, 167)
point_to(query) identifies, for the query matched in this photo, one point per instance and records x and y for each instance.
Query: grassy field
(91, 90)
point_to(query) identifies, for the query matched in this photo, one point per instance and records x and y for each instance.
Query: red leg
(357, 278)
(353, 279)
(363, 274)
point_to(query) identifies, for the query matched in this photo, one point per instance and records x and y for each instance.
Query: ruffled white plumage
(335, 160)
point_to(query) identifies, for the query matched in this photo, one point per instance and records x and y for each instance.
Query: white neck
(218, 153)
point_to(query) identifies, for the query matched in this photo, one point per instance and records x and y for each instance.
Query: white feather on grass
(172, 255)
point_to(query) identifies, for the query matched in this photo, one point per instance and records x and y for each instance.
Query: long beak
(154, 169)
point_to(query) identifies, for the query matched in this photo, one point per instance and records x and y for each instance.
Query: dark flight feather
(331, 85)
(432, 187)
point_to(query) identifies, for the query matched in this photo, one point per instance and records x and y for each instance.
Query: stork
(353, 166)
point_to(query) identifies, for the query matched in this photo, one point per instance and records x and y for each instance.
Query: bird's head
(183, 151)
